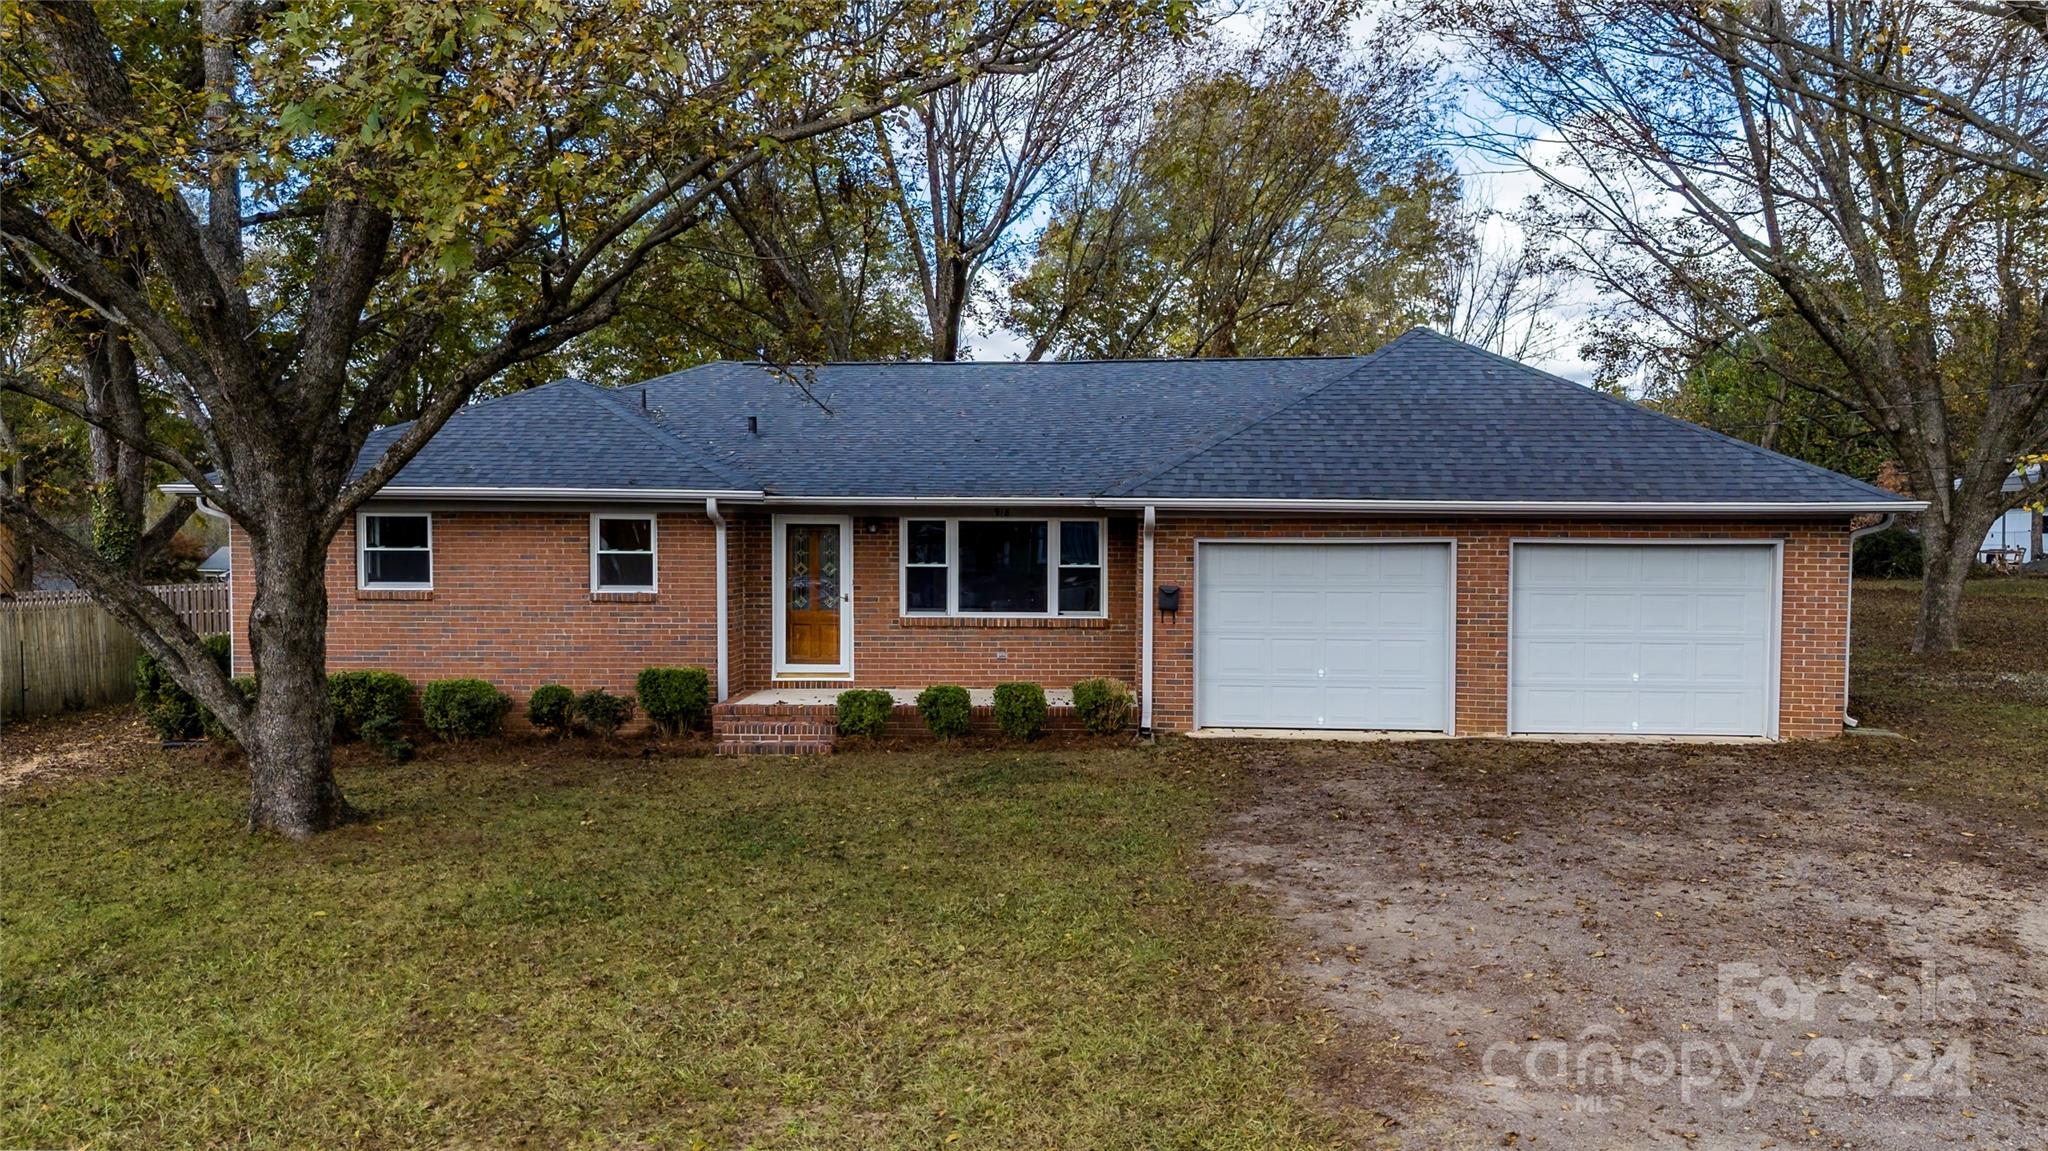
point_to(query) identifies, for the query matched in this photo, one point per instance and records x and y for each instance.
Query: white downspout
(718, 567)
(1849, 609)
(1145, 607)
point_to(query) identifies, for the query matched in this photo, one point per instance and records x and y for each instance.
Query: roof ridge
(1230, 433)
(668, 437)
(1631, 405)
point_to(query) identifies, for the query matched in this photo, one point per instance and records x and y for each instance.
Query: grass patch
(1976, 719)
(875, 950)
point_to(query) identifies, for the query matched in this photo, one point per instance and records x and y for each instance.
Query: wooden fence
(60, 651)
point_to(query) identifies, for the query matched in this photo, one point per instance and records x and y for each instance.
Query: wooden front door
(812, 594)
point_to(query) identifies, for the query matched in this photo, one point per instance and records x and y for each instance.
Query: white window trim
(653, 552)
(1052, 567)
(780, 667)
(363, 517)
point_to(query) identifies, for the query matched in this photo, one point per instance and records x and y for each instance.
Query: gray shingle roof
(568, 434)
(1424, 419)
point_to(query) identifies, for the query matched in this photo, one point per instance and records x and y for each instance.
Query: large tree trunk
(292, 789)
(1943, 573)
(1950, 531)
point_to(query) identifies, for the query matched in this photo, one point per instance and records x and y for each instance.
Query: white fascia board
(1521, 507)
(935, 501)
(538, 495)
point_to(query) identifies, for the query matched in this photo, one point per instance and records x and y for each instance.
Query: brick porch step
(774, 729)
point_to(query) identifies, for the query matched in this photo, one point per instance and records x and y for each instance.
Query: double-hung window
(395, 551)
(622, 553)
(1003, 567)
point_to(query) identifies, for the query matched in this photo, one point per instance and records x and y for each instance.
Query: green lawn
(525, 948)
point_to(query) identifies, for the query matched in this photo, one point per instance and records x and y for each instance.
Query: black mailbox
(1169, 598)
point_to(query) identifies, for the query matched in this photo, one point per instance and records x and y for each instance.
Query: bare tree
(1496, 290)
(968, 163)
(1718, 166)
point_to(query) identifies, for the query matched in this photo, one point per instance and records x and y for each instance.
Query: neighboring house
(2017, 533)
(1430, 538)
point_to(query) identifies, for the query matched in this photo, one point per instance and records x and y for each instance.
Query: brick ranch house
(1430, 538)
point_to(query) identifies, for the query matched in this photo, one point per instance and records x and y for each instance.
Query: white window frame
(653, 553)
(1052, 567)
(363, 518)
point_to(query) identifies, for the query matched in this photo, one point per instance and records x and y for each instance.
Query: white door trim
(778, 600)
(1192, 597)
(1777, 623)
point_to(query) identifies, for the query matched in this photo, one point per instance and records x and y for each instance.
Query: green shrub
(1890, 554)
(1103, 705)
(676, 698)
(216, 731)
(172, 713)
(864, 711)
(457, 709)
(945, 709)
(361, 698)
(1020, 710)
(603, 712)
(551, 708)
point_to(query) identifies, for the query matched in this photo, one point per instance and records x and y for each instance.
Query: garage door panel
(1609, 612)
(1729, 567)
(1351, 659)
(1410, 610)
(1560, 612)
(1666, 639)
(1409, 658)
(1728, 613)
(1725, 712)
(1666, 662)
(1295, 656)
(1607, 660)
(1351, 635)
(1608, 566)
(1724, 662)
(1548, 661)
(1360, 608)
(1249, 652)
(1298, 609)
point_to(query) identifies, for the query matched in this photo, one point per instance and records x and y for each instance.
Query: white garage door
(1665, 639)
(1323, 635)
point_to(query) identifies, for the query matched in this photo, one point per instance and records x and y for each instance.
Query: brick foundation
(511, 604)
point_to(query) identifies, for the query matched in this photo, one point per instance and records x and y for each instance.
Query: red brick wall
(511, 604)
(1813, 617)
(891, 651)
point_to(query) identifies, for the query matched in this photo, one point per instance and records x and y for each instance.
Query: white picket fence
(60, 651)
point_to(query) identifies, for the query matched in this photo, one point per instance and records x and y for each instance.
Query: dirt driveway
(1640, 947)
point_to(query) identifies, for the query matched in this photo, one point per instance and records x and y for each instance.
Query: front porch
(805, 721)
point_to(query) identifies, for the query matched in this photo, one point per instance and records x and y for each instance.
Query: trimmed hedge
(360, 699)
(458, 709)
(1103, 705)
(552, 708)
(677, 699)
(946, 709)
(172, 713)
(603, 712)
(864, 711)
(1020, 710)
